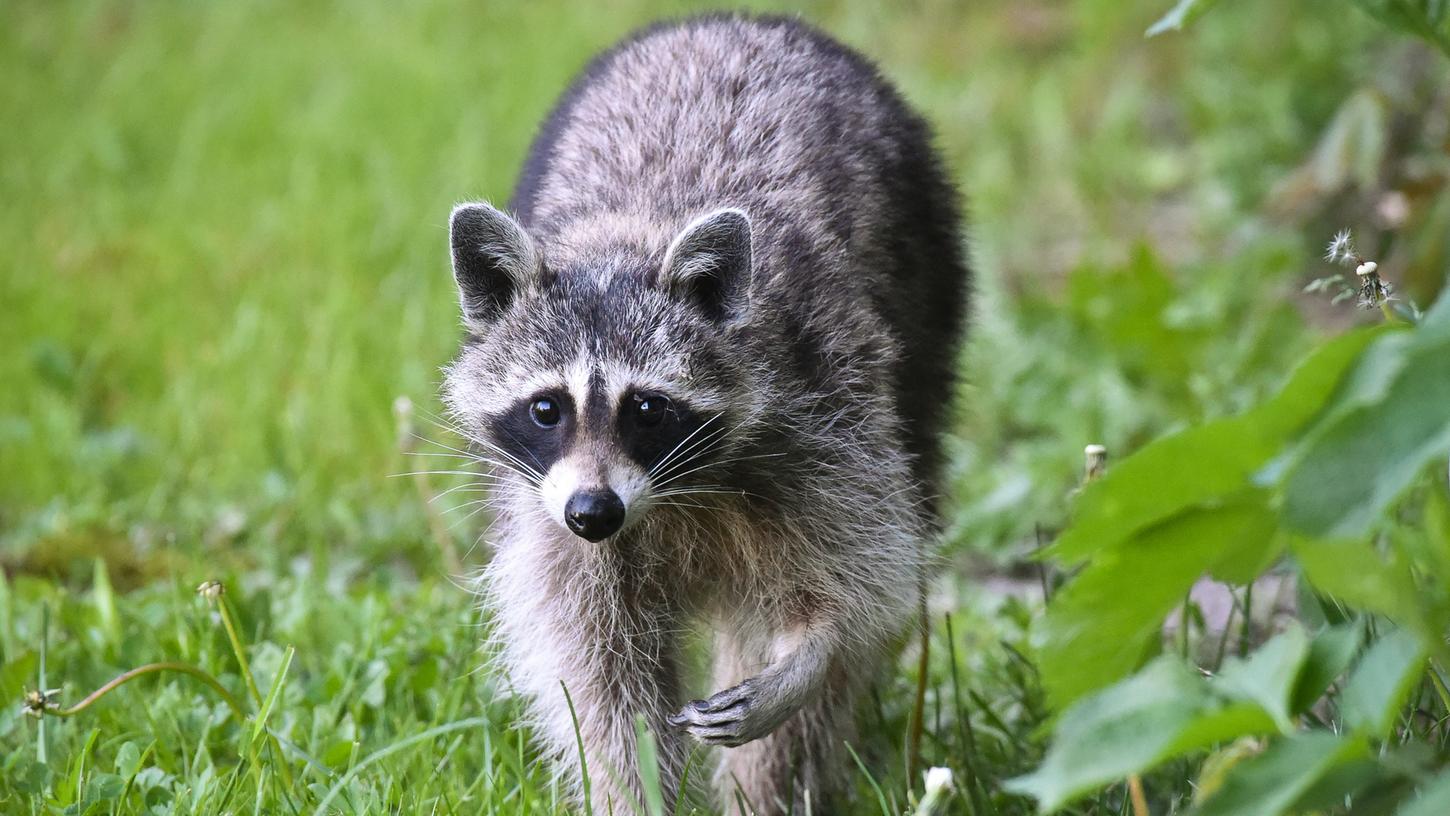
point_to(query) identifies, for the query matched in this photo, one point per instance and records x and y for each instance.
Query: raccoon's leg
(799, 758)
(608, 690)
(616, 659)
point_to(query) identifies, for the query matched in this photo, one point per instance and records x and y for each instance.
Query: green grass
(225, 259)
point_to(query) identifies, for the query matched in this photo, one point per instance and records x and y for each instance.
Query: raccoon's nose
(594, 514)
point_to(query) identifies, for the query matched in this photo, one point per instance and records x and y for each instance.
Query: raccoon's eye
(545, 412)
(649, 409)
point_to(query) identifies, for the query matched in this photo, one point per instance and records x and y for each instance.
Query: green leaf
(102, 787)
(1432, 800)
(1389, 423)
(1354, 572)
(1379, 685)
(1355, 468)
(1203, 463)
(128, 759)
(1276, 780)
(1426, 19)
(1164, 711)
(1185, 12)
(1268, 677)
(1095, 630)
(1330, 654)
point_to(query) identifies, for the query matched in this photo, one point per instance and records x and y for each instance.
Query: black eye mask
(664, 440)
(521, 435)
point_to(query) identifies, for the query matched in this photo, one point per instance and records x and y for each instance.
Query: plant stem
(1228, 625)
(230, 625)
(237, 650)
(1248, 620)
(1140, 799)
(918, 711)
(152, 668)
(964, 719)
(44, 647)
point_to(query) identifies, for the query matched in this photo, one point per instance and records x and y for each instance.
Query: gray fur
(739, 214)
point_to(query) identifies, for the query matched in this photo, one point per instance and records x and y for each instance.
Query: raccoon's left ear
(493, 260)
(709, 265)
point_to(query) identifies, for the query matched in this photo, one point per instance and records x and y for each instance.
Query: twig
(1140, 800)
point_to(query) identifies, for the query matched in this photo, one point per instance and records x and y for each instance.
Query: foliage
(1344, 469)
(1224, 498)
(1427, 19)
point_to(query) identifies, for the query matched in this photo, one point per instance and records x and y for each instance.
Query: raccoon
(707, 363)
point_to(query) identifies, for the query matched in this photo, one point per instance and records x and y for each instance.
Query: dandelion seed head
(38, 702)
(1366, 268)
(1341, 247)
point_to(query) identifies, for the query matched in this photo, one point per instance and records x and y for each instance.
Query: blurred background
(224, 266)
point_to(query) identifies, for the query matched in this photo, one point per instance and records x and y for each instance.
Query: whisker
(657, 466)
(690, 505)
(472, 473)
(730, 461)
(700, 448)
(685, 491)
(522, 467)
(673, 472)
(467, 487)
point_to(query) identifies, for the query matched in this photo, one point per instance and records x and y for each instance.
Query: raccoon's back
(855, 224)
(715, 110)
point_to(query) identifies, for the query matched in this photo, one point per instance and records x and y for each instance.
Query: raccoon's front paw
(732, 717)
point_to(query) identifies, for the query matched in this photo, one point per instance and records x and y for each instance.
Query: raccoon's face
(602, 379)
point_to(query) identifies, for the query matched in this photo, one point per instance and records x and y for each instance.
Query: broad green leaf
(102, 787)
(1432, 800)
(1242, 560)
(1164, 711)
(1290, 769)
(1095, 629)
(1355, 468)
(1268, 677)
(1354, 572)
(1391, 421)
(1185, 12)
(1378, 686)
(1204, 463)
(1330, 654)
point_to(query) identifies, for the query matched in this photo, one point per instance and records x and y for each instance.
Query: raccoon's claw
(727, 718)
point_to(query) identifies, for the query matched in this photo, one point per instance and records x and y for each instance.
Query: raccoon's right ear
(493, 260)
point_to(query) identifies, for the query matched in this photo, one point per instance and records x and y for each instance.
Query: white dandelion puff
(1341, 248)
